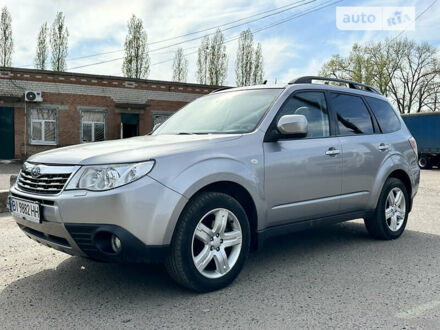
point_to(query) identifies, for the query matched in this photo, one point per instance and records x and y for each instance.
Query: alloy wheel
(216, 243)
(395, 209)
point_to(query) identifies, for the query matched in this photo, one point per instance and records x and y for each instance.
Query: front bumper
(142, 214)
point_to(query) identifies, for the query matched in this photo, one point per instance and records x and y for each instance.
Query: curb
(4, 201)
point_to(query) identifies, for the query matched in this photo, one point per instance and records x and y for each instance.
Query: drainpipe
(25, 128)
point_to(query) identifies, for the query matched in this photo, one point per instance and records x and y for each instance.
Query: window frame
(43, 121)
(81, 135)
(272, 126)
(334, 118)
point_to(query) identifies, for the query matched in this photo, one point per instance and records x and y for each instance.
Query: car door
(303, 174)
(363, 149)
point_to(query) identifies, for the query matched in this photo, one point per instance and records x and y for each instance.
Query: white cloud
(312, 69)
(100, 26)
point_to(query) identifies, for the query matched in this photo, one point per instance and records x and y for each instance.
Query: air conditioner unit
(33, 96)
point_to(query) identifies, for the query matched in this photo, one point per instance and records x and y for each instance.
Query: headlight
(105, 177)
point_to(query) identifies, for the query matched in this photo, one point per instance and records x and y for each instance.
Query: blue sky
(297, 47)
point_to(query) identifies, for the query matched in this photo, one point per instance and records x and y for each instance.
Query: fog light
(116, 243)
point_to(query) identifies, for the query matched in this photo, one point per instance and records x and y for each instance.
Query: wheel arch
(396, 167)
(404, 177)
(242, 195)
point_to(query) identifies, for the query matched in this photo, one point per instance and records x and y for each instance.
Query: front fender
(204, 172)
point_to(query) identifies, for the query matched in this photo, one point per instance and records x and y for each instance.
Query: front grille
(47, 184)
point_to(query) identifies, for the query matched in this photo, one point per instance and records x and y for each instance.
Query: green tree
(258, 70)
(244, 62)
(203, 61)
(218, 60)
(180, 66)
(42, 48)
(6, 41)
(59, 36)
(407, 72)
(137, 59)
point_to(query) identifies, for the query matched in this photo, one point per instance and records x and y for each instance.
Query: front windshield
(226, 112)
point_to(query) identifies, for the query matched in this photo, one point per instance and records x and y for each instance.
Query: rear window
(385, 115)
(352, 114)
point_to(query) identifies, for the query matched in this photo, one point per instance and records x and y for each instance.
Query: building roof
(88, 75)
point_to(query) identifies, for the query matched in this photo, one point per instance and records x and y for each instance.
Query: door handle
(383, 147)
(332, 151)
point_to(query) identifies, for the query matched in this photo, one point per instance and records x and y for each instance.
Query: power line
(264, 28)
(198, 38)
(193, 39)
(281, 9)
(290, 6)
(417, 17)
(290, 18)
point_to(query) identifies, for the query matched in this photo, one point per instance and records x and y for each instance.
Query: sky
(296, 47)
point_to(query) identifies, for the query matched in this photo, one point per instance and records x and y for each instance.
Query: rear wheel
(424, 162)
(210, 244)
(391, 214)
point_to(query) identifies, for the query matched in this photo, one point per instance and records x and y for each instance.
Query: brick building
(77, 108)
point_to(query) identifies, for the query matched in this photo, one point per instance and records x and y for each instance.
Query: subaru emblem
(35, 171)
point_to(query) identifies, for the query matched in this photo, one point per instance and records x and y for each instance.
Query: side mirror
(293, 125)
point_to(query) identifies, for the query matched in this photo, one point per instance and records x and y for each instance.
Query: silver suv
(222, 175)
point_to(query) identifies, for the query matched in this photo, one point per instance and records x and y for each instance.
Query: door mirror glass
(293, 125)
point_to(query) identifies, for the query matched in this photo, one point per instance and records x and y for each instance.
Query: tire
(195, 240)
(382, 226)
(425, 162)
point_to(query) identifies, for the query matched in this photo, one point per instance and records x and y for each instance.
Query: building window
(92, 126)
(43, 126)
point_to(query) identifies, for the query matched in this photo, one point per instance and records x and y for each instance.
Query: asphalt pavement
(329, 277)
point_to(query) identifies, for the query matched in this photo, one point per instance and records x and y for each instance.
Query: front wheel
(391, 214)
(210, 244)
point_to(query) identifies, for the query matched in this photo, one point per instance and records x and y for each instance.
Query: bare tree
(42, 51)
(258, 70)
(406, 71)
(245, 57)
(58, 42)
(356, 66)
(137, 60)
(203, 61)
(218, 60)
(433, 100)
(180, 66)
(382, 63)
(6, 42)
(415, 77)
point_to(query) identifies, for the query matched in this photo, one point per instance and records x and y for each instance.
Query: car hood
(129, 150)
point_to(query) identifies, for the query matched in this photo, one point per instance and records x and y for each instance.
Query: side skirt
(289, 228)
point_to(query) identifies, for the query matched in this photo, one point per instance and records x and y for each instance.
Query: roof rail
(350, 84)
(220, 89)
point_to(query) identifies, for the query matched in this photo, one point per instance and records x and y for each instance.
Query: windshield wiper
(195, 133)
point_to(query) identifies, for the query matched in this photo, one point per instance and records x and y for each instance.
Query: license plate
(24, 209)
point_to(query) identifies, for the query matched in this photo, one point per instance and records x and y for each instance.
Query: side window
(43, 126)
(313, 106)
(92, 126)
(351, 113)
(385, 115)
